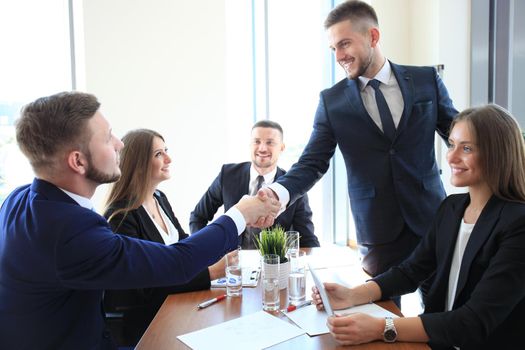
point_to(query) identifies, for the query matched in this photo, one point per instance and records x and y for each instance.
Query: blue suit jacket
(56, 257)
(490, 296)
(139, 306)
(390, 183)
(228, 188)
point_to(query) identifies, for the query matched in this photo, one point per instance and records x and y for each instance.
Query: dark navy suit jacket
(390, 183)
(228, 188)
(57, 257)
(139, 306)
(490, 296)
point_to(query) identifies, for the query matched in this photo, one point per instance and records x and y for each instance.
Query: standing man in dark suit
(57, 255)
(388, 147)
(237, 180)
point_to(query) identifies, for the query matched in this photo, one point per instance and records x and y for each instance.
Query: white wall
(431, 32)
(161, 65)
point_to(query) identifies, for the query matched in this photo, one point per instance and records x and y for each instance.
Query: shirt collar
(268, 178)
(82, 201)
(383, 76)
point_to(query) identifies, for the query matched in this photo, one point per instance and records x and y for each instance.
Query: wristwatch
(390, 333)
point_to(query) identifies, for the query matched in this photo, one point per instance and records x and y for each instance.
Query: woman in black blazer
(475, 249)
(137, 209)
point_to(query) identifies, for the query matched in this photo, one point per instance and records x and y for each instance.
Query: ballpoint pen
(211, 301)
(291, 308)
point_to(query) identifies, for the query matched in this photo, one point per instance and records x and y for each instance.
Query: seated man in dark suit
(57, 255)
(236, 180)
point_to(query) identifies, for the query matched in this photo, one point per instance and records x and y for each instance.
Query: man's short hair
(268, 124)
(358, 12)
(55, 124)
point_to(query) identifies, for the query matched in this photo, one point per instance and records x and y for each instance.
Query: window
(35, 61)
(290, 64)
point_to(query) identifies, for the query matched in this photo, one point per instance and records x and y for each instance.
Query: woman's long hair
(501, 149)
(135, 181)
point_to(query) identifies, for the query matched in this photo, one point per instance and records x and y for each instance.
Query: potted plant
(273, 241)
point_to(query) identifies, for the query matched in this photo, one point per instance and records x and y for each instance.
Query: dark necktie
(387, 121)
(247, 240)
(258, 184)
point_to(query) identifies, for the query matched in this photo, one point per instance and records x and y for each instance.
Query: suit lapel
(353, 95)
(446, 242)
(151, 231)
(406, 85)
(482, 230)
(244, 181)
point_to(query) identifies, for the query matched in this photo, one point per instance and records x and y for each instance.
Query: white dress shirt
(390, 89)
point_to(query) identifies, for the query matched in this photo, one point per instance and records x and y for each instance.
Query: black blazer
(490, 298)
(228, 188)
(139, 306)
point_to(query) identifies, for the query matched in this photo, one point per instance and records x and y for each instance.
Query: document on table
(256, 331)
(314, 322)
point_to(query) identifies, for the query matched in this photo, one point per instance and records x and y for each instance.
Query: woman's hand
(340, 296)
(355, 328)
(217, 270)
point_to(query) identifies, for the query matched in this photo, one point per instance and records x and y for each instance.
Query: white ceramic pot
(284, 272)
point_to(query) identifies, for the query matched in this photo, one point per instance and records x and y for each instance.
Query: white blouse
(170, 237)
(461, 242)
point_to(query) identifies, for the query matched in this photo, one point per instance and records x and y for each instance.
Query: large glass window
(289, 65)
(35, 61)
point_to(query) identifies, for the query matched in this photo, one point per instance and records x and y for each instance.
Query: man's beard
(98, 176)
(362, 70)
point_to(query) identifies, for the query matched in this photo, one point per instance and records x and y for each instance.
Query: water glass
(233, 274)
(292, 241)
(270, 282)
(297, 277)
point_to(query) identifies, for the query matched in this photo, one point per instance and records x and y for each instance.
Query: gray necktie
(246, 239)
(389, 129)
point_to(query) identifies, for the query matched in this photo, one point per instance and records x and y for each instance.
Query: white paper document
(256, 331)
(314, 322)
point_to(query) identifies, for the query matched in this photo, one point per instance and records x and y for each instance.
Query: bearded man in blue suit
(57, 255)
(393, 179)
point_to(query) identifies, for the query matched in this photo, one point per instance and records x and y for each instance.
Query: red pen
(211, 301)
(291, 308)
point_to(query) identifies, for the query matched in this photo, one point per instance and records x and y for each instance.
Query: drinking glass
(297, 277)
(233, 274)
(270, 282)
(292, 241)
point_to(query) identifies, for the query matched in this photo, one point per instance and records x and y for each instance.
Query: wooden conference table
(179, 314)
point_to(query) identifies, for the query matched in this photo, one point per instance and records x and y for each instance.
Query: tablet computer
(322, 292)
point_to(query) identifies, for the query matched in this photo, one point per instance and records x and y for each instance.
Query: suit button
(392, 151)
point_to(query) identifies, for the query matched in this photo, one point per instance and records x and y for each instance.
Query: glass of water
(292, 241)
(270, 282)
(233, 274)
(297, 277)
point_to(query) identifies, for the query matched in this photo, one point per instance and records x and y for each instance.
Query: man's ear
(77, 162)
(374, 36)
(283, 147)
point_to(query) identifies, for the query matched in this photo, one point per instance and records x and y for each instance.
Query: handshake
(260, 210)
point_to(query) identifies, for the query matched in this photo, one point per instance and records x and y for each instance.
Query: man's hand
(259, 210)
(266, 221)
(269, 192)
